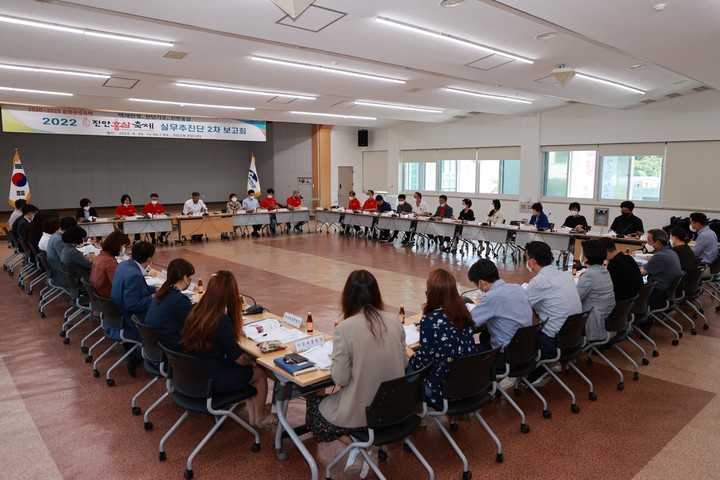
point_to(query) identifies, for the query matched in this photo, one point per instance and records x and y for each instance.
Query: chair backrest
(71, 282)
(111, 315)
(692, 280)
(673, 292)
(641, 301)
(92, 295)
(618, 319)
(23, 245)
(470, 375)
(42, 257)
(151, 350)
(715, 266)
(396, 400)
(523, 347)
(570, 335)
(187, 375)
(11, 236)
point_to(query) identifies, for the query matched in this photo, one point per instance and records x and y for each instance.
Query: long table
(147, 225)
(99, 228)
(206, 225)
(328, 219)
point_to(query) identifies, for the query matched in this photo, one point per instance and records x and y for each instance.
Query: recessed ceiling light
(333, 115)
(451, 3)
(636, 67)
(451, 38)
(244, 90)
(187, 104)
(28, 68)
(42, 92)
(659, 7)
(320, 68)
(546, 35)
(398, 107)
(486, 95)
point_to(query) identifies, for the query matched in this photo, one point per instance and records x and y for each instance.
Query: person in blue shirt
(504, 307)
(170, 307)
(250, 204)
(446, 332)
(706, 245)
(539, 219)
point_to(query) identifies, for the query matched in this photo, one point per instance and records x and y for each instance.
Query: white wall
(687, 118)
(344, 152)
(292, 157)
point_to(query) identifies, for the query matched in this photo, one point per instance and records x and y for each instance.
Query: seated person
(211, 332)
(353, 205)
(73, 258)
(554, 297)
(270, 204)
(539, 219)
(232, 206)
(382, 207)
(403, 208)
(368, 349)
(105, 264)
(86, 212)
(370, 204)
(22, 223)
(503, 307)
(443, 211)
(596, 290)
(34, 232)
(678, 243)
(50, 226)
(575, 221)
(251, 204)
(54, 252)
(466, 214)
(706, 245)
(662, 268)
(17, 213)
(446, 332)
(624, 273)
(127, 209)
(294, 202)
(495, 215)
(170, 307)
(195, 207)
(627, 224)
(152, 208)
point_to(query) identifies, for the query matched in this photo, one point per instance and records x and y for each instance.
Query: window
(457, 175)
(570, 174)
(418, 175)
(635, 177)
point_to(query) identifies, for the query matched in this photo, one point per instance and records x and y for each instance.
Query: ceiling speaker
(563, 74)
(293, 7)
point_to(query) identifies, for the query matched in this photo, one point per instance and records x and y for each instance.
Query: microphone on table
(253, 309)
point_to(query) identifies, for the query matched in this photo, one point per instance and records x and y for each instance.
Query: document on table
(269, 329)
(321, 355)
(412, 336)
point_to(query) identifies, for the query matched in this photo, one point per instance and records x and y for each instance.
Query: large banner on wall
(78, 121)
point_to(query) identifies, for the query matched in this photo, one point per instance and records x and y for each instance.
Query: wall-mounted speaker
(362, 138)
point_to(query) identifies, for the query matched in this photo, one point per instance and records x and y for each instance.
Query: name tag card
(293, 320)
(309, 342)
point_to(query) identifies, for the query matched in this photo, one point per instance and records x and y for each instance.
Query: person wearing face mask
(170, 307)
(270, 204)
(126, 209)
(495, 215)
(152, 208)
(353, 205)
(554, 297)
(504, 307)
(662, 268)
(627, 223)
(232, 206)
(539, 219)
(370, 204)
(575, 221)
(595, 287)
(250, 204)
(86, 212)
(678, 243)
(402, 208)
(624, 273)
(105, 264)
(706, 245)
(294, 202)
(21, 224)
(132, 295)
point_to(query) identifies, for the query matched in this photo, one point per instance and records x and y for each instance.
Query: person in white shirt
(50, 226)
(194, 206)
(420, 209)
(250, 204)
(495, 215)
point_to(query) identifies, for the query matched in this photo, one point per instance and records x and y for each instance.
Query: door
(345, 184)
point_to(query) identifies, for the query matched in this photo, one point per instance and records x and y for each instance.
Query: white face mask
(527, 265)
(87, 209)
(154, 202)
(465, 206)
(270, 196)
(233, 199)
(351, 198)
(649, 247)
(672, 244)
(692, 228)
(369, 196)
(122, 252)
(400, 202)
(575, 213)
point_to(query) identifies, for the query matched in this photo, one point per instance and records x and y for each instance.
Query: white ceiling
(601, 38)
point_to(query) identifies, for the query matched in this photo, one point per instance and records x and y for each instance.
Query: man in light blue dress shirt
(706, 245)
(504, 307)
(250, 204)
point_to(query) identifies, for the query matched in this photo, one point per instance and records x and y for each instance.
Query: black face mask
(625, 214)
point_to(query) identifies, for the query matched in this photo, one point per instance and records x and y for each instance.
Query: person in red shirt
(153, 207)
(270, 204)
(370, 204)
(353, 205)
(126, 209)
(294, 202)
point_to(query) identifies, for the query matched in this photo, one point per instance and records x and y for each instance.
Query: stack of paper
(269, 329)
(412, 336)
(320, 355)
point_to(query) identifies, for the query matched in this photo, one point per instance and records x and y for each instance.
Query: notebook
(295, 369)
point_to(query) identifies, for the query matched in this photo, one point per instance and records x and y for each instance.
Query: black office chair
(616, 325)
(52, 290)
(154, 363)
(193, 392)
(79, 302)
(470, 385)
(521, 358)
(711, 284)
(11, 239)
(391, 417)
(570, 344)
(692, 291)
(639, 316)
(661, 315)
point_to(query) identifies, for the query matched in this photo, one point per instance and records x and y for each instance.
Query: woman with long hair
(212, 331)
(368, 349)
(446, 332)
(170, 307)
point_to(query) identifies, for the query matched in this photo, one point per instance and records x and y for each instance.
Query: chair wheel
(645, 361)
(467, 475)
(701, 310)
(84, 349)
(499, 458)
(188, 474)
(589, 361)
(148, 426)
(88, 359)
(66, 340)
(110, 382)
(656, 353)
(592, 396)
(30, 292)
(524, 428)
(42, 314)
(680, 334)
(574, 408)
(454, 427)
(675, 342)
(406, 448)
(636, 376)
(517, 392)
(382, 455)
(621, 386)
(281, 455)
(136, 411)
(255, 447)
(547, 414)
(61, 333)
(693, 331)
(96, 373)
(162, 456)
(706, 326)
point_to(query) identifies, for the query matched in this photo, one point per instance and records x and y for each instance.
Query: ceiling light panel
(397, 107)
(41, 92)
(244, 91)
(320, 68)
(28, 68)
(333, 115)
(450, 38)
(188, 104)
(487, 95)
